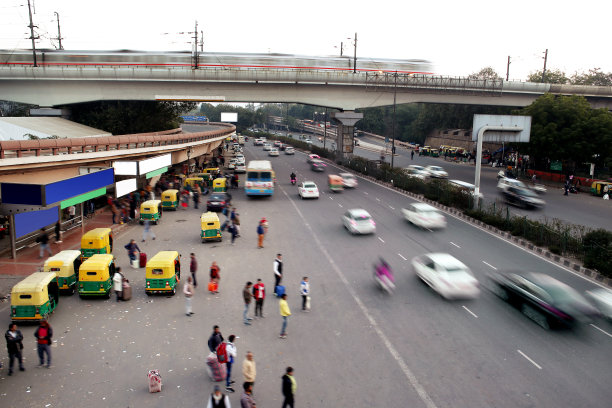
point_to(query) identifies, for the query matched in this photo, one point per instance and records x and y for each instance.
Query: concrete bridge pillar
(346, 127)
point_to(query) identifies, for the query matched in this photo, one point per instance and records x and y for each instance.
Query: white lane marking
(470, 312)
(530, 360)
(377, 199)
(452, 243)
(366, 193)
(339, 205)
(489, 265)
(331, 198)
(402, 256)
(392, 208)
(381, 240)
(601, 330)
(366, 312)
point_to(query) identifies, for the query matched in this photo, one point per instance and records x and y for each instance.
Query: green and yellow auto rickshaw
(66, 265)
(151, 210)
(210, 227)
(34, 298)
(170, 199)
(96, 275)
(163, 273)
(96, 241)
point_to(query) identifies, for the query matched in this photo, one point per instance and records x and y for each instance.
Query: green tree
(553, 76)
(485, 73)
(594, 77)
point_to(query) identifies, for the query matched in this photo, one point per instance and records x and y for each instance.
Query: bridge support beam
(346, 128)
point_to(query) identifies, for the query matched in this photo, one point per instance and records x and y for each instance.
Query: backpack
(222, 353)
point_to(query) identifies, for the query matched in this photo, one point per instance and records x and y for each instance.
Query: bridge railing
(51, 147)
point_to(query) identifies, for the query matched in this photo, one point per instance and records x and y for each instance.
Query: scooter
(384, 278)
(293, 181)
(501, 175)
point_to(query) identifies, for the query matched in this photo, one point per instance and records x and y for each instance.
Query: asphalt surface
(358, 347)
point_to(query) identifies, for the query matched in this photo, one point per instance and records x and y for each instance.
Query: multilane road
(358, 347)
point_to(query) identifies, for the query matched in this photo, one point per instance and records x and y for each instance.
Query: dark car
(543, 299)
(317, 165)
(218, 201)
(522, 197)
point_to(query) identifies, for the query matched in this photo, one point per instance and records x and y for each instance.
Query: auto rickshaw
(211, 227)
(96, 276)
(163, 273)
(208, 170)
(151, 210)
(170, 200)
(34, 298)
(192, 181)
(219, 185)
(335, 183)
(434, 153)
(66, 265)
(600, 188)
(96, 241)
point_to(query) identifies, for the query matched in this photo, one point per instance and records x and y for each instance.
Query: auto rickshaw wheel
(107, 295)
(141, 222)
(174, 291)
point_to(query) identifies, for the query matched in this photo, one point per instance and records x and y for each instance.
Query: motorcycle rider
(293, 178)
(384, 275)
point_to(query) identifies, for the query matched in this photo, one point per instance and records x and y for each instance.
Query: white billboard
(229, 117)
(502, 128)
(154, 163)
(124, 187)
(125, 168)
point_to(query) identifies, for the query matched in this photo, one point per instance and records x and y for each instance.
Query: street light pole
(355, 56)
(32, 37)
(394, 105)
(325, 129)
(59, 32)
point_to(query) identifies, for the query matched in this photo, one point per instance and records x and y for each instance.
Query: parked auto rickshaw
(170, 199)
(434, 153)
(335, 183)
(35, 297)
(219, 185)
(208, 170)
(96, 276)
(163, 273)
(192, 181)
(151, 210)
(66, 265)
(96, 241)
(211, 227)
(599, 188)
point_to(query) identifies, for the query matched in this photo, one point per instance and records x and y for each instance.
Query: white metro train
(49, 57)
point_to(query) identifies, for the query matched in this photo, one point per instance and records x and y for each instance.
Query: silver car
(358, 221)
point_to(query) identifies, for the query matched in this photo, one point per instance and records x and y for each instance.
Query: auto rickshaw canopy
(62, 263)
(150, 207)
(98, 263)
(96, 238)
(33, 289)
(162, 265)
(170, 195)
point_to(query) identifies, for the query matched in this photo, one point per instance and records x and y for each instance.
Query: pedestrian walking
(231, 356)
(246, 400)
(147, 231)
(195, 195)
(237, 224)
(215, 339)
(193, 268)
(260, 235)
(215, 274)
(71, 211)
(249, 371)
(278, 272)
(43, 239)
(118, 284)
(305, 292)
(285, 312)
(58, 233)
(247, 296)
(265, 225)
(218, 400)
(43, 335)
(412, 155)
(132, 249)
(289, 388)
(14, 345)
(259, 293)
(188, 291)
(233, 230)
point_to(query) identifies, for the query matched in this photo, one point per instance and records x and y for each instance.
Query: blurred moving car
(218, 201)
(258, 142)
(308, 189)
(436, 172)
(522, 197)
(277, 143)
(505, 183)
(417, 167)
(416, 173)
(267, 146)
(358, 221)
(424, 216)
(312, 157)
(349, 180)
(446, 275)
(543, 299)
(273, 152)
(232, 164)
(317, 165)
(240, 168)
(289, 150)
(465, 187)
(602, 298)
(309, 141)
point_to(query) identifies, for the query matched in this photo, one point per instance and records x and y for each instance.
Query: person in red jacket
(259, 293)
(43, 336)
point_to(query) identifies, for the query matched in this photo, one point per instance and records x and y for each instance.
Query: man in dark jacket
(43, 335)
(14, 345)
(289, 387)
(215, 339)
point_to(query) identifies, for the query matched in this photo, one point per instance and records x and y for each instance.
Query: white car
(436, 172)
(240, 168)
(309, 141)
(504, 183)
(417, 167)
(258, 142)
(289, 150)
(240, 159)
(349, 180)
(466, 188)
(273, 152)
(358, 221)
(232, 164)
(267, 146)
(447, 275)
(416, 173)
(424, 216)
(602, 298)
(308, 189)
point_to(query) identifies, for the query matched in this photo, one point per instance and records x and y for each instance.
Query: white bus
(260, 178)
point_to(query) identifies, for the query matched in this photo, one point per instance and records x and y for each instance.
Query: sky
(458, 37)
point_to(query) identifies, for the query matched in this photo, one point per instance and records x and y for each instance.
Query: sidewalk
(27, 262)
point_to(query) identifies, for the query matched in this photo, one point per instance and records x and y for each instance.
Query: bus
(240, 140)
(260, 178)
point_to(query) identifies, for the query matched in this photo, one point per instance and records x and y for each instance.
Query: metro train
(50, 57)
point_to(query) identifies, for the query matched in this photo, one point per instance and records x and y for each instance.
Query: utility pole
(32, 34)
(59, 32)
(325, 129)
(508, 69)
(355, 56)
(195, 48)
(201, 40)
(544, 70)
(341, 47)
(394, 105)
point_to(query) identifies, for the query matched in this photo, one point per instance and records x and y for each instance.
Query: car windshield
(563, 295)
(428, 213)
(361, 217)
(453, 269)
(436, 168)
(310, 186)
(525, 192)
(217, 197)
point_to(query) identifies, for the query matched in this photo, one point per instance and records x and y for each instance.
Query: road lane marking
(366, 193)
(489, 265)
(412, 378)
(331, 198)
(452, 243)
(340, 205)
(601, 330)
(530, 360)
(381, 240)
(402, 256)
(470, 312)
(377, 199)
(391, 208)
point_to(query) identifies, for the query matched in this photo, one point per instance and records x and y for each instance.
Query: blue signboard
(31, 221)
(191, 118)
(16, 193)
